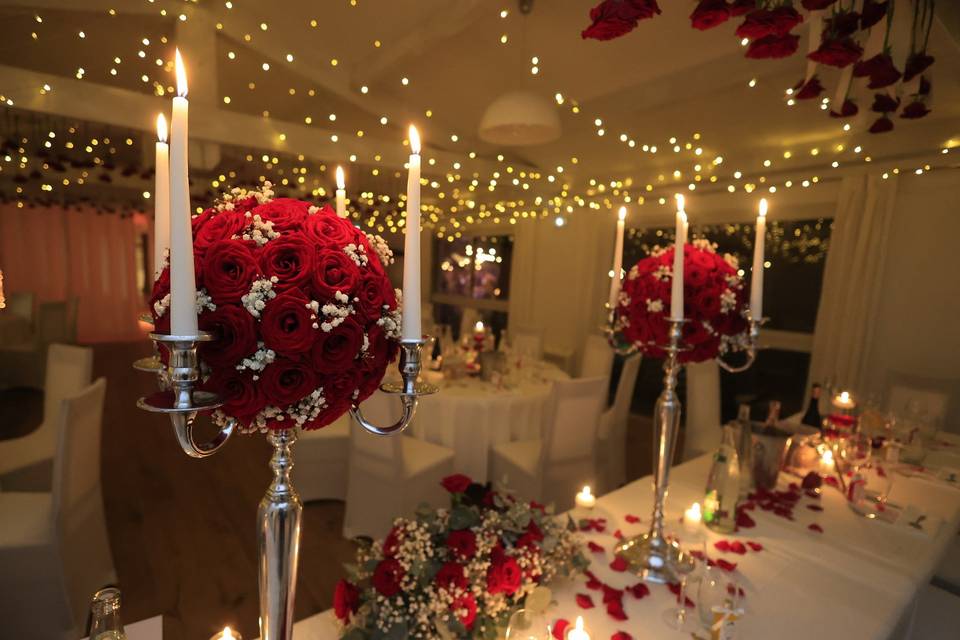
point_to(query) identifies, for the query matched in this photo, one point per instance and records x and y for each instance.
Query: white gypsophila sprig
(663, 272)
(335, 313)
(357, 253)
(623, 299)
(634, 273)
(728, 301)
(656, 251)
(204, 301)
(260, 291)
(160, 306)
(704, 245)
(654, 305)
(164, 263)
(258, 361)
(227, 201)
(259, 230)
(308, 408)
(381, 248)
(391, 322)
(732, 260)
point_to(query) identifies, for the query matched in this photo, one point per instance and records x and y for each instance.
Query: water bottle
(745, 451)
(723, 486)
(812, 416)
(105, 616)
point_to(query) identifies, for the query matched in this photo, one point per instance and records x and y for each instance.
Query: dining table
(823, 572)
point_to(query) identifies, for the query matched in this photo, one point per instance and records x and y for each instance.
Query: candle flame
(414, 140)
(763, 207)
(181, 75)
(227, 634)
(693, 513)
(579, 625)
(479, 326)
(827, 456)
(341, 183)
(622, 214)
(586, 491)
(680, 202)
(161, 128)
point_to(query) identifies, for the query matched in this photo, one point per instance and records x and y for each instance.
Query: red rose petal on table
(621, 635)
(592, 582)
(815, 527)
(639, 590)
(749, 506)
(738, 547)
(618, 534)
(593, 546)
(726, 565)
(744, 521)
(632, 519)
(814, 507)
(675, 590)
(584, 601)
(615, 610)
(618, 564)
(756, 546)
(722, 545)
(830, 480)
(559, 626)
(610, 594)
(813, 494)
(730, 590)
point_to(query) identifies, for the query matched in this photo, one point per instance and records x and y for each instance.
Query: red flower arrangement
(613, 18)
(305, 317)
(714, 303)
(457, 572)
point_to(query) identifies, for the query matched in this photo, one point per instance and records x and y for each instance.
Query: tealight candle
(844, 400)
(478, 328)
(827, 463)
(585, 498)
(577, 632)
(692, 518)
(226, 634)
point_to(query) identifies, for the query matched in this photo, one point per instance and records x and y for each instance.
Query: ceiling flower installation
(852, 36)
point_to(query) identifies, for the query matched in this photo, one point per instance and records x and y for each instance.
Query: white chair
(907, 393)
(936, 615)
(390, 476)
(612, 436)
(554, 467)
(597, 361)
(26, 462)
(702, 423)
(528, 342)
(320, 468)
(54, 549)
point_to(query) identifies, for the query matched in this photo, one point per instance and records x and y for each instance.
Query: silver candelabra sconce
(280, 512)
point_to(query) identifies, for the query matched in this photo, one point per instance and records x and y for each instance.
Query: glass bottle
(745, 451)
(105, 615)
(723, 486)
(812, 416)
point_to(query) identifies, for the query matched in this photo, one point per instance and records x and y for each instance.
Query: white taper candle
(676, 291)
(411, 247)
(617, 279)
(183, 284)
(161, 197)
(756, 283)
(341, 194)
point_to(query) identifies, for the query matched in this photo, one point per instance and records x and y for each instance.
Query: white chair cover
(391, 476)
(54, 549)
(528, 342)
(597, 358)
(26, 462)
(553, 468)
(702, 424)
(320, 466)
(612, 436)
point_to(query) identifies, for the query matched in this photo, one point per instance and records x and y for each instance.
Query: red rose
(450, 575)
(287, 324)
(841, 25)
(380, 352)
(872, 12)
(880, 69)
(290, 259)
(917, 63)
(816, 5)
(465, 609)
(338, 390)
(614, 18)
(768, 22)
(241, 395)
(884, 103)
(773, 46)
(914, 110)
(809, 89)
(346, 600)
(387, 576)
(847, 110)
(740, 7)
(236, 334)
(504, 576)
(325, 228)
(217, 227)
(881, 125)
(457, 483)
(463, 544)
(197, 221)
(372, 293)
(334, 351)
(286, 214)
(709, 13)
(228, 270)
(837, 53)
(286, 382)
(333, 271)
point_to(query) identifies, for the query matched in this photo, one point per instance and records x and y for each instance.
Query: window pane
(475, 267)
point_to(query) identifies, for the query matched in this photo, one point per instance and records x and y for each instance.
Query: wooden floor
(183, 530)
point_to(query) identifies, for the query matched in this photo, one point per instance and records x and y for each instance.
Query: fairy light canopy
(306, 89)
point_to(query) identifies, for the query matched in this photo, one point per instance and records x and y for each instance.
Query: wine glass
(718, 590)
(855, 451)
(528, 625)
(676, 617)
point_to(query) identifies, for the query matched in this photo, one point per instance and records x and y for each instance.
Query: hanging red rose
(346, 599)
(872, 12)
(917, 63)
(847, 110)
(837, 53)
(816, 5)
(740, 7)
(614, 18)
(709, 13)
(279, 285)
(914, 110)
(765, 22)
(841, 25)
(884, 103)
(881, 125)
(880, 69)
(773, 46)
(808, 90)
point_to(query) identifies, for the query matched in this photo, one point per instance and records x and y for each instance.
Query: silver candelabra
(650, 555)
(280, 512)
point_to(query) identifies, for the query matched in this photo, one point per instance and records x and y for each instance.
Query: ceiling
(349, 58)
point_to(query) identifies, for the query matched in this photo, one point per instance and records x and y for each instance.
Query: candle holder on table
(650, 555)
(280, 512)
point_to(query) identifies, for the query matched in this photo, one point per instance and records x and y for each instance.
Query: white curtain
(853, 280)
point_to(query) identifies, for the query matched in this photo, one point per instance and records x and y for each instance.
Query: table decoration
(577, 632)
(708, 319)
(457, 572)
(226, 634)
(585, 498)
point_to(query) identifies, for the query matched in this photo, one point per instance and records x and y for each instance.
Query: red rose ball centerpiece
(305, 318)
(713, 296)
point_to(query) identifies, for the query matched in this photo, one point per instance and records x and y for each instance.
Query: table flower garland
(457, 572)
(305, 317)
(714, 298)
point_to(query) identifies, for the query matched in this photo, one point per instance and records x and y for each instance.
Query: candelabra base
(651, 557)
(149, 364)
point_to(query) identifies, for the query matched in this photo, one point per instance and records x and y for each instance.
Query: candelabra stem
(279, 517)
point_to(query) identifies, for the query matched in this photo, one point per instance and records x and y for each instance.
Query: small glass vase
(525, 624)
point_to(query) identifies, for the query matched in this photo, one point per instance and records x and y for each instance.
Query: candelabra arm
(183, 429)
(753, 346)
(409, 389)
(614, 336)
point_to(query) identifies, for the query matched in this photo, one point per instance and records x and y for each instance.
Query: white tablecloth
(470, 415)
(856, 579)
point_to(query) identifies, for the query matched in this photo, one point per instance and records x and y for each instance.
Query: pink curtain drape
(60, 253)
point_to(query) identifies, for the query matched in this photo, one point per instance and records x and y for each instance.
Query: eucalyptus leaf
(463, 518)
